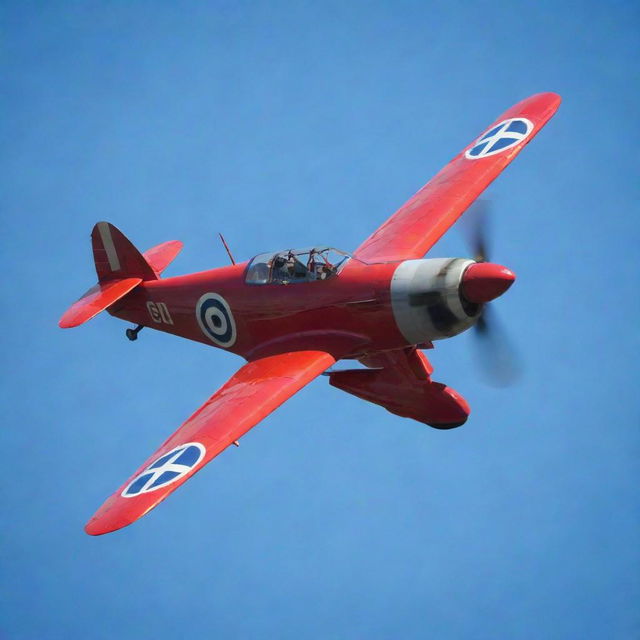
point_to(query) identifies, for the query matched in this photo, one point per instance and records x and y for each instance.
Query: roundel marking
(166, 469)
(503, 136)
(216, 320)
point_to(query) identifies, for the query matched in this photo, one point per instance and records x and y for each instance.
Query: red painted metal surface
(162, 255)
(97, 299)
(252, 393)
(351, 310)
(419, 224)
(485, 281)
(115, 257)
(400, 381)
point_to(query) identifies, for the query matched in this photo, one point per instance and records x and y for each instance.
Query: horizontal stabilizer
(97, 299)
(162, 255)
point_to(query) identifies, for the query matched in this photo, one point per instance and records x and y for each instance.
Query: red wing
(252, 393)
(412, 230)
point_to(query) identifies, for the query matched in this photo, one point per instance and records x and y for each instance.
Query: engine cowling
(427, 300)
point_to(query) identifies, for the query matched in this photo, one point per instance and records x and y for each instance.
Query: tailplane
(162, 255)
(120, 268)
(97, 299)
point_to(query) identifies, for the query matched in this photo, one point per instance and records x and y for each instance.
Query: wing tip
(553, 97)
(92, 530)
(99, 526)
(548, 100)
(65, 323)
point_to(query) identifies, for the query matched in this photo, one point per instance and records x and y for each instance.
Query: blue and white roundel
(168, 468)
(500, 138)
(216, 320)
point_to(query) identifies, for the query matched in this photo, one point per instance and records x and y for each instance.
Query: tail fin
(120, 268)
(116, 257)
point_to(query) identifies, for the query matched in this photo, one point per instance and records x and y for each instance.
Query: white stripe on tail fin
(104, 228)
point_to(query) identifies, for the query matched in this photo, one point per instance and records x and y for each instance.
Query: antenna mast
(226, 246)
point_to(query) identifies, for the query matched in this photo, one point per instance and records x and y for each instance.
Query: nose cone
(484, 281)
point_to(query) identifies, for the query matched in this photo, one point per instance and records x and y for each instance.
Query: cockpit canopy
(296, 265)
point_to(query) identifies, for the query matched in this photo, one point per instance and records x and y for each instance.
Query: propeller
(477, 227)
(498, 358)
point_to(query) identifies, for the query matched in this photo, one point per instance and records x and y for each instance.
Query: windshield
(291, 265)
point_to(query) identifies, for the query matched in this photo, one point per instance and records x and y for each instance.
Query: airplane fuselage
(365, 308)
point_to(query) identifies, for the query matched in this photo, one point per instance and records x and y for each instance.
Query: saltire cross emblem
(503, 136)
(168, 468)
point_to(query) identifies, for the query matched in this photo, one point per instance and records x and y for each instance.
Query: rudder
(115, 256)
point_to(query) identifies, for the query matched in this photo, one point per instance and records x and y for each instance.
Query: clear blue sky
(294, 124)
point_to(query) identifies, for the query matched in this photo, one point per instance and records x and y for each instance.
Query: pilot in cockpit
(292, 266)
(279, 271)
(318, 267)
(297, 271)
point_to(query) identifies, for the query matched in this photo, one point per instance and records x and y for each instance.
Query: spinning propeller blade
(499, 360)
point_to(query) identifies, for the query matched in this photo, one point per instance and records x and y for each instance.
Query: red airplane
(292, 314)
